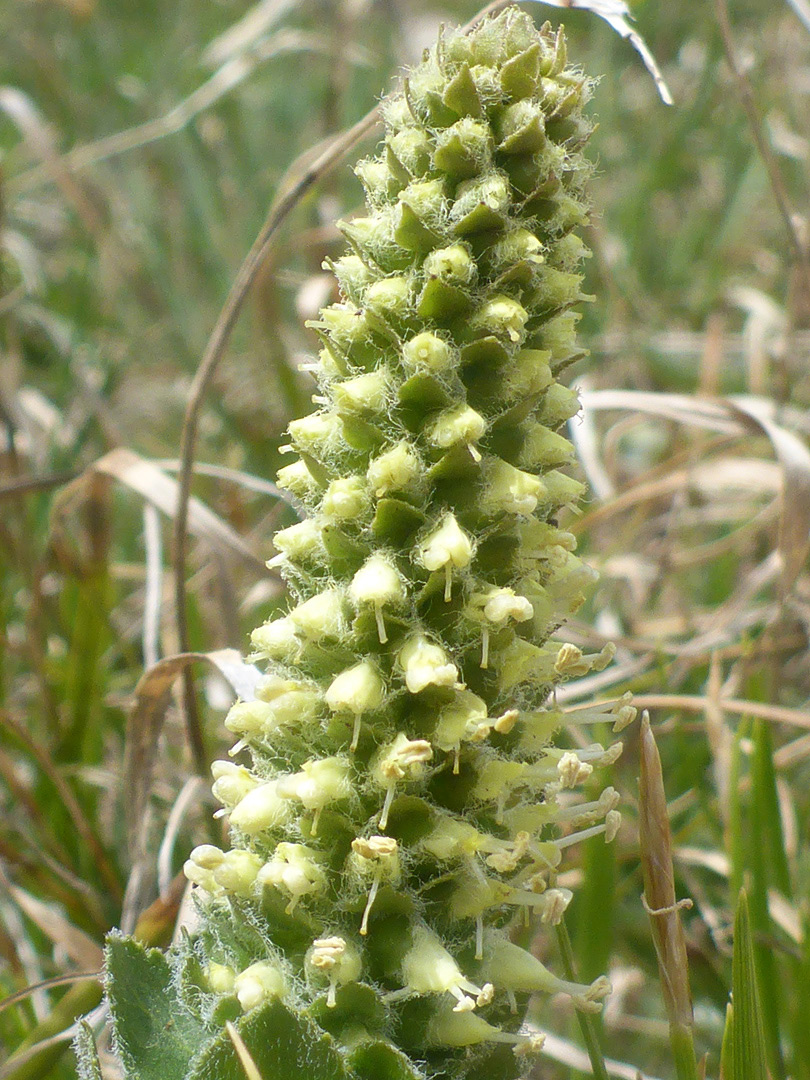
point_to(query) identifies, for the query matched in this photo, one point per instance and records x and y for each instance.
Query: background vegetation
(142, 146)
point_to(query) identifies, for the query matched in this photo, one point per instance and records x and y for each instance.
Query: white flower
(295, 870)
(448, 547)
(377, 583)
(426, 664)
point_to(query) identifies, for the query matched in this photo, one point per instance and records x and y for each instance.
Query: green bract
(399, 809)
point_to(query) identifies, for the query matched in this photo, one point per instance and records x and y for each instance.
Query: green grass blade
(726, 1052)
(764, 828)
(748, 1056)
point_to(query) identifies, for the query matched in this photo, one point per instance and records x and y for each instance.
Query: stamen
(448, 582)
(474, 453)
(355, 734)
(577, 837)
(464, 1003)
(485, 647)
(378, 614)
(479, 937)
(389, 798)
(372, 896)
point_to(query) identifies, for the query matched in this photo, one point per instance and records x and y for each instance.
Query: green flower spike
(399, 810)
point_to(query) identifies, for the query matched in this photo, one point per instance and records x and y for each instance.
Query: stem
(683, 1052)
(586, 1024)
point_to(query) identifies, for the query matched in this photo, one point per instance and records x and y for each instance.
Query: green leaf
(747, 1034)
(726, 1063)
(283, 1044)
(379, 1060)
(84, 1046)
(155, 1037)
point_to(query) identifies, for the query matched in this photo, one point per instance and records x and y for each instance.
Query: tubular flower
(401, 803)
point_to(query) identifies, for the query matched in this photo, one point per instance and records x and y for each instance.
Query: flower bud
(412, 148)
(521, 128)
(259, 983)
(316, 433)
(562, 490)
(502, 317)
(560, 403)
(237, 871)
(352, 273)
(357, 690)
(543, 449)
(529, 374)
(250, 718)
(395, 470)
(511, 491)
(319, 783)
(377, 583)
(345, 499)
(298, 542)
(427, 352)
(220, 978)
(380, 185)
(231, 782)
(298, 480)
(207, 856)
(319, 617)
(276, 639)
(363, 393)
(371, 237)
(458, 425)
(453, 265)
(480, 204)
(390, 298)
(261, 809)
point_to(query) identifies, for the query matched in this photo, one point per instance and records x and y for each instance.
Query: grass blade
(747, 1034)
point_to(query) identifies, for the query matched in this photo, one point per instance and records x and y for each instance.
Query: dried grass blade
(617, 14)
(145, 721)
(242, 1052)
(662, 905)
(794, 459)
(152, 484)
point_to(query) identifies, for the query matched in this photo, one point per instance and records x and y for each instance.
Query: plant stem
(586, 1024)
